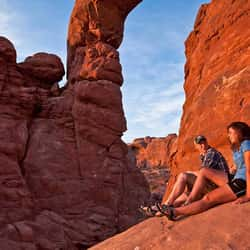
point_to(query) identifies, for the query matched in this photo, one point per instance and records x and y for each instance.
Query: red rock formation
(25, 220)
(217, 77)
(224, 227)
(95, 32)
(152, 152)
(153, 156)
(66, 181)
(65, 178)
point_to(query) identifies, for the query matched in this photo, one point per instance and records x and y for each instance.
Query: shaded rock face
(224, 227)
(25, 186)
(66, 182)
(153, 156)
(217, 84)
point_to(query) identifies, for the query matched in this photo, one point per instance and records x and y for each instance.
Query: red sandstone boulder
(99, 118)
(43, 66)
(100, 62)
(7, 50)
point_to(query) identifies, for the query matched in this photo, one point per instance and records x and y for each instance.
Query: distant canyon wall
(153, 155)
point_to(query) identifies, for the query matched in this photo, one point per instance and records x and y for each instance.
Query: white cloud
(153, 96)
(156, 113)
(156, 107)
(9, 20)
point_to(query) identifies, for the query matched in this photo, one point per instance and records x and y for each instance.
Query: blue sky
(152, 54)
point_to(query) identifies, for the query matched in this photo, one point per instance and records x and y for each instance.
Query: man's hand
(242, 199)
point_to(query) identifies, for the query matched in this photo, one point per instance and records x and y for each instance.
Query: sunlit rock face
(217, 77)
(189, 233)
(95, 32)
(66, 181)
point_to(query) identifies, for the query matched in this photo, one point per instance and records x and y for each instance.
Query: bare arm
(247, 162)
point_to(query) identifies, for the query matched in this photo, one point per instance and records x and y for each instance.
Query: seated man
(183, 192)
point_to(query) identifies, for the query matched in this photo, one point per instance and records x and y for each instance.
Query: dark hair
(244, 131)
(199, 139)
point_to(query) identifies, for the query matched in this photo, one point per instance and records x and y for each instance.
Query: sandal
(149, 211)
(167, 210)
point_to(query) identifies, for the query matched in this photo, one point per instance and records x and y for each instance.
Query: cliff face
(217, 79)
(65, 178)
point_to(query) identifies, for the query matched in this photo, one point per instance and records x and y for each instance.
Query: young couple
(197, 191)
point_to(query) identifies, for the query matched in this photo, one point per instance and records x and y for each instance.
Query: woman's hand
(242, 199)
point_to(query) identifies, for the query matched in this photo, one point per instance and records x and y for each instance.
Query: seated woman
(237, 189)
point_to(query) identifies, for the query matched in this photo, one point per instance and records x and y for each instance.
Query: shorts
(190, 183)
(238, 186)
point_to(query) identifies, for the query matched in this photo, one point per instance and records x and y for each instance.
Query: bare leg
(220, 195)
(180, 200)
(218, 177)
(178, 189)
